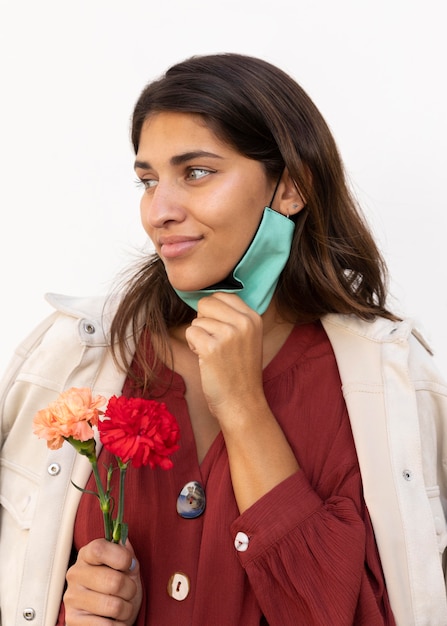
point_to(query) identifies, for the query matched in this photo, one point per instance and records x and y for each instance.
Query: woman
(265, 295)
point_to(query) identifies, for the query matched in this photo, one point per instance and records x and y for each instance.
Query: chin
(195, 285)
(188, 286)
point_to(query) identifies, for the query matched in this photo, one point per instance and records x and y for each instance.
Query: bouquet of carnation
(136, 431)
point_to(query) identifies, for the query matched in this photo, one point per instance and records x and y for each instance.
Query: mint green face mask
(255, 277)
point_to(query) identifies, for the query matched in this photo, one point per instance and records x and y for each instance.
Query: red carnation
(141, 431)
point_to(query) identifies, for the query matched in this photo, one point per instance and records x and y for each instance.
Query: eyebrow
(180, 158)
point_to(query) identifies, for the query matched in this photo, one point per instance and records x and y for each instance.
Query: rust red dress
(311, 557)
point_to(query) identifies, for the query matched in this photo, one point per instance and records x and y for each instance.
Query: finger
(99, 591)
(206, 334)
(226, 304)
(96, 604)
(134, 567)
(200, 340)
(212, 326)
(105, 567)
(227, 310)
(102, 552)
(101, 579)
(223, 326)
(81, 618)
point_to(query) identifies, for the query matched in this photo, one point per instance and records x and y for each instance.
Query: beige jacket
(398, 409)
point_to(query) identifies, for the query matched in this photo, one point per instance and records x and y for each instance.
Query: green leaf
(124, 532)
(93, 493)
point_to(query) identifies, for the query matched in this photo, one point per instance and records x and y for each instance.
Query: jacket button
(241, 542)
(89, 328)
(54, 469)
(29, 614)
(407, 474)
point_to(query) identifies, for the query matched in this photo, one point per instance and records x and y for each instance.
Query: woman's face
(202, 200)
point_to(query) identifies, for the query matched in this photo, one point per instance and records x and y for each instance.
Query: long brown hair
(334, 265)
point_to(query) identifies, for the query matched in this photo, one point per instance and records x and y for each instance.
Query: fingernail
(133, 565)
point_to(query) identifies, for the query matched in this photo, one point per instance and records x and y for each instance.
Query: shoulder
(94, 307)
(78, 320)
(377, 331)
(61, 339)
(91, 315)
(364, 348)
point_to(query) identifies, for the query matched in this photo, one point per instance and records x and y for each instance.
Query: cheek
(246, 223)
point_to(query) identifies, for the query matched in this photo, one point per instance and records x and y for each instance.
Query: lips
(176, 246)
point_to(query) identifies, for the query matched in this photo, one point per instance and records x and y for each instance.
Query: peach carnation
(72, 414)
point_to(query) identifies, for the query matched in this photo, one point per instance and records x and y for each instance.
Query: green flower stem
(104, 500)
(118, 523)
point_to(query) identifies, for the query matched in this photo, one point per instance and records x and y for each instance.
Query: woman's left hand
(227, 337)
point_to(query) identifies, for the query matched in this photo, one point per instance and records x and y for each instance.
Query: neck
(273, 319)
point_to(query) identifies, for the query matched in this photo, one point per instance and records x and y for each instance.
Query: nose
(161, 206)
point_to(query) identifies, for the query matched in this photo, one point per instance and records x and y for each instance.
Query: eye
(194, 173)
(146, 183)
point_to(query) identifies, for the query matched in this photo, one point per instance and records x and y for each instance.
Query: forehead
(177, 128)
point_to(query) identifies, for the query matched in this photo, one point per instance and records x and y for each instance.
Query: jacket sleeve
(22, 352)
(37, 502)
(397, 404)
(30, 503)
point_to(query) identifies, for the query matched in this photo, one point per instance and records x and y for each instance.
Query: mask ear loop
(276, 189)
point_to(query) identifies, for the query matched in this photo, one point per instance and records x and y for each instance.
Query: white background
(72, 71)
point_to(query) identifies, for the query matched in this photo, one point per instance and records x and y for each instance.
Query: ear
(289, 199)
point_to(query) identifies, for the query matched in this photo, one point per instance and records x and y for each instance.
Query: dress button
(178, 586)
(241, 542)
(191, 500)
